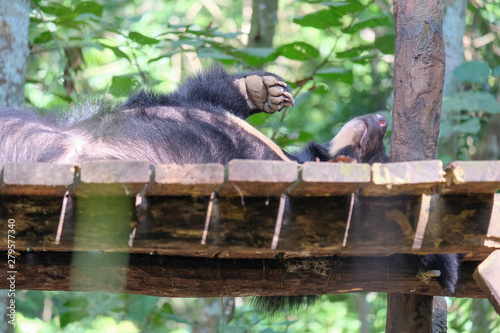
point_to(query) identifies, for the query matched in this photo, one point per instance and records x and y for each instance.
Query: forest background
(338, 58)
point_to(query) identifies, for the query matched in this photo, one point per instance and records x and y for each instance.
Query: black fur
(190, 125)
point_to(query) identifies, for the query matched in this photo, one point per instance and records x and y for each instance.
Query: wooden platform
(248, 228)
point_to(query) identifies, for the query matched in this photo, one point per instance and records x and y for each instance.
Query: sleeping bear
(201, 122)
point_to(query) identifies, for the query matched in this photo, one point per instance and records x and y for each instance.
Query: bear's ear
(313, 152)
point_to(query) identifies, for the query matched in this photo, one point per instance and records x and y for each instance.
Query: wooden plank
(175, 276)
(112, 178)
(330, 179)
(404, 178)
(258, 178)
(487, 275)
(472, 177)
(41, 179)
(460, 222)
(36, 219)
(186, 180)
(381, 224)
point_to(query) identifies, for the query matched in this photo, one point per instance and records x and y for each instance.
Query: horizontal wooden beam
(246, 217)
(175, 276)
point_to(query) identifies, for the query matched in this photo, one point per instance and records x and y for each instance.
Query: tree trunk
(14, 50)
(264, 18)
(418, 79)
(418, 88)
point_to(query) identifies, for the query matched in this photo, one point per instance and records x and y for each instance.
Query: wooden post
(418, 88)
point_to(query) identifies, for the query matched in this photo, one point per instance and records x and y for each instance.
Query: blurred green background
(337, 56)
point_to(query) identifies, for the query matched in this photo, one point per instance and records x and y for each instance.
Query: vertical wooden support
(418, 88)
(409, 313)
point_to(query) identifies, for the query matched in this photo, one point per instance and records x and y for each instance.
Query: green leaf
(320, 19)
(141, 39)
(298, 51)
(122, 85)
(472, 101)
(90, 7)
(383, 20)
(210, 52)
(336, 73)
(386, 44)
(118, 53)
(472, 126)
(496, 72)
(71, 317)
(472, 71)
(76, 302)
(258, 51)
(354, 52)
(345, 7)
(43, 38)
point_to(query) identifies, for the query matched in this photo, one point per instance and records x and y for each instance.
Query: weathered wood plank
(186, 180)
(330, 179)
(215, 277)
(472, 177)
(461, 222)
(487, 275)
(112, 178)
(36, 179)
(258, 178)
(383, 223)
(404, 178)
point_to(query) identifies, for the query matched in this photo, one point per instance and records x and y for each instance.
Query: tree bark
(418, 79)
(14, 50)
(418, 87)
(264, 18)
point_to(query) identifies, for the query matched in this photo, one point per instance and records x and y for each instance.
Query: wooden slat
(37, 179)
(487, 275)
(258, 178)
(404, 178)
(215, 277)
(461, 222)
(493, 233)
(112, 178)
(327, 179)
(472, 177)
(186, 180)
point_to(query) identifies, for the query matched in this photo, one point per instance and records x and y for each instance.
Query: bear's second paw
(265, 92)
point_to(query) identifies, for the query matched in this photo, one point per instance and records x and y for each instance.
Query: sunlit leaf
(298, 51)
(472, 71)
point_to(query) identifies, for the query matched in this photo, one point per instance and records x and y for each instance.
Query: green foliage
(336, 55)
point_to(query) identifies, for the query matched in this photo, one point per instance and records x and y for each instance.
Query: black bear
(201, 122)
